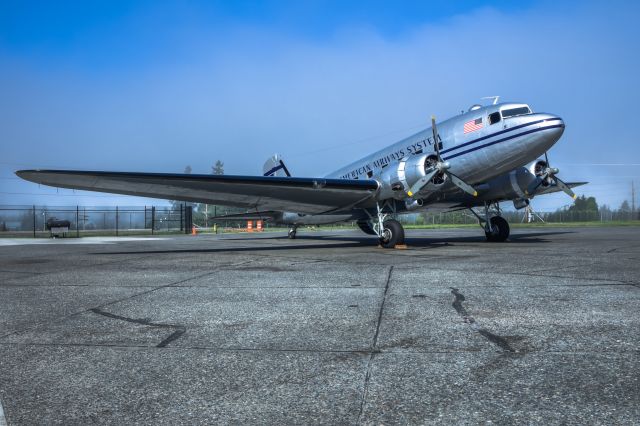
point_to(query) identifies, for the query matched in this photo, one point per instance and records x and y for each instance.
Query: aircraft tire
(393, 234)
(292, 234)
(500, 231)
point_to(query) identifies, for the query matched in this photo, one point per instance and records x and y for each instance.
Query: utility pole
(633, 201)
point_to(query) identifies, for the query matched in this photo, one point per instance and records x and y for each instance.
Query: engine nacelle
(514, 185)
(395, 181)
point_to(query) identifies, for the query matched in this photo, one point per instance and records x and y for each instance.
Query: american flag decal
(473, 125)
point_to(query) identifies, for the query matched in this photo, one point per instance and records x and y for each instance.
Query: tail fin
(274, 166)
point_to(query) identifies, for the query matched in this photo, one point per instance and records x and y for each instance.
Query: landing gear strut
(292, 232)
(496, 228)
(389, 231)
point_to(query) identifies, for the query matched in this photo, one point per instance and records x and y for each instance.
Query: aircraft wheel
(392, 234)
(292, 233)
(499, 230)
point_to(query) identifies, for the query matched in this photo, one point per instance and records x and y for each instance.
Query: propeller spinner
(549, 176)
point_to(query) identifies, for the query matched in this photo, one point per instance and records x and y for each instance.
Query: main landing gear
(292, 232)
(389, 231)
(496, 228)
(392, 234)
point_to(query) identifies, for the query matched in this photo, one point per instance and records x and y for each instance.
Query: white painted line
(3, 421)
(83, 240)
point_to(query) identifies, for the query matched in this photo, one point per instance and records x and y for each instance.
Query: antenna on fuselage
(495, 99)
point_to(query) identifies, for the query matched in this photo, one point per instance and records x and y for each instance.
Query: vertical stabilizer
(274, 166)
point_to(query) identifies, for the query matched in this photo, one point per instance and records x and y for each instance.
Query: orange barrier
(193, 230)
(259, 225)
(249, 226)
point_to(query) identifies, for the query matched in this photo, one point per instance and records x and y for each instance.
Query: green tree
(218, 168)
(584, 204)
(583, 209)
(625, 210)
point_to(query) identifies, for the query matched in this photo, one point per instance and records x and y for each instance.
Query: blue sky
(154, 86)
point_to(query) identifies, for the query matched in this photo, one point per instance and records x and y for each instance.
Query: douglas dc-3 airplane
(480, 158)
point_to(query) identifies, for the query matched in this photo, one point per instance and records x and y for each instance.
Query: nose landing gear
(496, 228)
(498, 231)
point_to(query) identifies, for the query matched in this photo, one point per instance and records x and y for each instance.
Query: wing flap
(304, 195)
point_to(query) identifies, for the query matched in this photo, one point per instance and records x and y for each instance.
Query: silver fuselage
(478, 157)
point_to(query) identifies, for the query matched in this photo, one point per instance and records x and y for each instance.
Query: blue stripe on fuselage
(496, 134)
(475, 148)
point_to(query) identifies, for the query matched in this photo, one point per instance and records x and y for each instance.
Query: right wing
(303, 195)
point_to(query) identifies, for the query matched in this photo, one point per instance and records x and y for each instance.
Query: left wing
(303, 195)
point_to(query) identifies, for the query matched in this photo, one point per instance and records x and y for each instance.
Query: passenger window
(494, 117)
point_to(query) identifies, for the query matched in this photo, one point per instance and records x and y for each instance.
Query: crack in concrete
(373, 351)
(179, 329)
(501, 342)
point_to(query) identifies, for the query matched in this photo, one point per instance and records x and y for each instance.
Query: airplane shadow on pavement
(347, 243)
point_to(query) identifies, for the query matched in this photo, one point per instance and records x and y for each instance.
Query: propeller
(440, 167)
(549, 176)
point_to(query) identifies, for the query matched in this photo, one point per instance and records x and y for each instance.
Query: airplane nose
(559, 126)
(552, 128)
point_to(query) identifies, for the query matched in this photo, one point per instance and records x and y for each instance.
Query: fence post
(181, 217)
(153, 218)
(34, 221)
(77, 222)
(117, 221)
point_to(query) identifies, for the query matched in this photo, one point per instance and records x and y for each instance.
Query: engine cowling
(514, 185)
(396, 180)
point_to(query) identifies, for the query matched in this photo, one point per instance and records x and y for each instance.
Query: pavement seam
(216, 269)
(318, 351)
(88, 267)
(372, 352)
(62, 318)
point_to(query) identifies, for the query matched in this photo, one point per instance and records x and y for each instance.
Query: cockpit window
(515, 111)
(494, 117)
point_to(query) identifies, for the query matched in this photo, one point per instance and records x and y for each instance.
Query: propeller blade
(462, 184)
(434, 130)
(565, 188)
(533, 186)
(422, 182)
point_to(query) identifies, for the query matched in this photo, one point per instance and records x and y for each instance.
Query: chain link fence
(35, 221)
